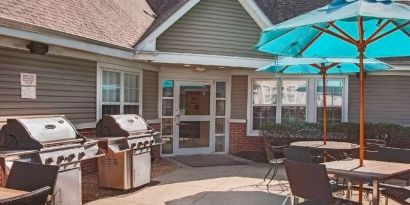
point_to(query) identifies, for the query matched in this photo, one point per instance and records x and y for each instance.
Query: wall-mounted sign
(28, 82)
(28, 79)
(28, 92)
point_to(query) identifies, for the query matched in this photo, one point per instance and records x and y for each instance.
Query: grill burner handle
(49, 160)
(60, 159)
(71, 157)
(81, 155)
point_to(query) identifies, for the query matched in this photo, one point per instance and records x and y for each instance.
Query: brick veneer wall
(240, 142)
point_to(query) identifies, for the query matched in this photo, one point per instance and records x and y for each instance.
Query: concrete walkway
(224, 185)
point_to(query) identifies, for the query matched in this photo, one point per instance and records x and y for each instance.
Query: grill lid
(49, 129)
(37, 133)
(121, 125)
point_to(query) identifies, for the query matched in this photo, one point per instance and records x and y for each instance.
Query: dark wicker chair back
(300, 154)
(309, 181)
(36, 197)
(29, 176)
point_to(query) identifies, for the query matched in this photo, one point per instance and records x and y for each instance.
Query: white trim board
(256, 13)
(66, 42)
(210, 60)
(149, 43)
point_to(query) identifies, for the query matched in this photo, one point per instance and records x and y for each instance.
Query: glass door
(194, 121)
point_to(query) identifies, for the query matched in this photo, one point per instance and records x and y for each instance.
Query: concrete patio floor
(223, 185)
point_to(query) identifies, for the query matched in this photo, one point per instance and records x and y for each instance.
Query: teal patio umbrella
(344, 29)
(323, 66)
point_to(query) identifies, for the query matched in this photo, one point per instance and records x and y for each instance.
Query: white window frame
(250, 102)
(122, 70)
(279, 109)
(310, 98)
(344, 98)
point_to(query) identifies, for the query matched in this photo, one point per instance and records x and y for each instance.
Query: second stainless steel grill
(127, 140)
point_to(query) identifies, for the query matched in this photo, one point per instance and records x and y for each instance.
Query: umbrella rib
(311, 42)
(341, 31)
(377, 31)
(389, 32)
(335, 35)
(402, 29)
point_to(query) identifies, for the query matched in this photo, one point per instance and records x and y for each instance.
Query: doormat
(208, 160)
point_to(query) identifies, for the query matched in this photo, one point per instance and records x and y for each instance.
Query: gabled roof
(117, 23)
(113, 22)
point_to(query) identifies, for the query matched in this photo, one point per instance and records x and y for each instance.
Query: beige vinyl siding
(239, 96)
(64, 86)
(150, 95)
(214, 27)
(386, 99)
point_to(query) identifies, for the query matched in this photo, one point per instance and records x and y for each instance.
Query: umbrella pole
(361, 47)
(324, 106)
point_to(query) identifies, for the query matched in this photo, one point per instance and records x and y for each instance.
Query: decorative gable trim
(149, 43)
(256, 13)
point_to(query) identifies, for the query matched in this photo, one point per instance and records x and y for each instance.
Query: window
(291, 99)
(120, 92)
(294, 95)
(220, 117)
(264, 98)
(334, 100)
(167, 125)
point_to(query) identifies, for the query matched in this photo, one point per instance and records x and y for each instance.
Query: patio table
(8, 193)
(375, 171)
(329, 146)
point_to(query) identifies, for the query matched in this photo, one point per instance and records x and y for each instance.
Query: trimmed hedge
(286, 133)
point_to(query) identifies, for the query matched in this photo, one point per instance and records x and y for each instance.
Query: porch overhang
(202, 59)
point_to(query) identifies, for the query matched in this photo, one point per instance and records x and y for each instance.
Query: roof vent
(38, 48)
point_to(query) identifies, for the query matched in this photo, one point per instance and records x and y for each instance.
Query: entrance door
(194, 126)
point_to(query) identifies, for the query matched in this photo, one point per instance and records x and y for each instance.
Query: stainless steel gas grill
(49, 140)
(127, 140)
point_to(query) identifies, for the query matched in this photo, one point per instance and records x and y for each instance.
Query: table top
(371, 170)
(8, 193)
(330, 145)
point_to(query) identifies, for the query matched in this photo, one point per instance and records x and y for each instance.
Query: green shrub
(292, 131)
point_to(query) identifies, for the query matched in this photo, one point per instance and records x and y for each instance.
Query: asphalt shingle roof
(121, 23)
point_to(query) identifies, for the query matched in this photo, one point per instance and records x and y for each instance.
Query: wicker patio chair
(36, 197)
(29, 176)
(391, 154)
(300, 154)
(273, 155)
(396, 193)
(311, 184)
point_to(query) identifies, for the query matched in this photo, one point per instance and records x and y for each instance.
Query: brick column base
(249, 147)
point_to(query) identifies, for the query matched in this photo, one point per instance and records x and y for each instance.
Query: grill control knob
(60, 159)
(81, 155)
(49, 160)
(71, 157)
(139, 144)
(146, 143)
(133, 145)
(151, 142)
